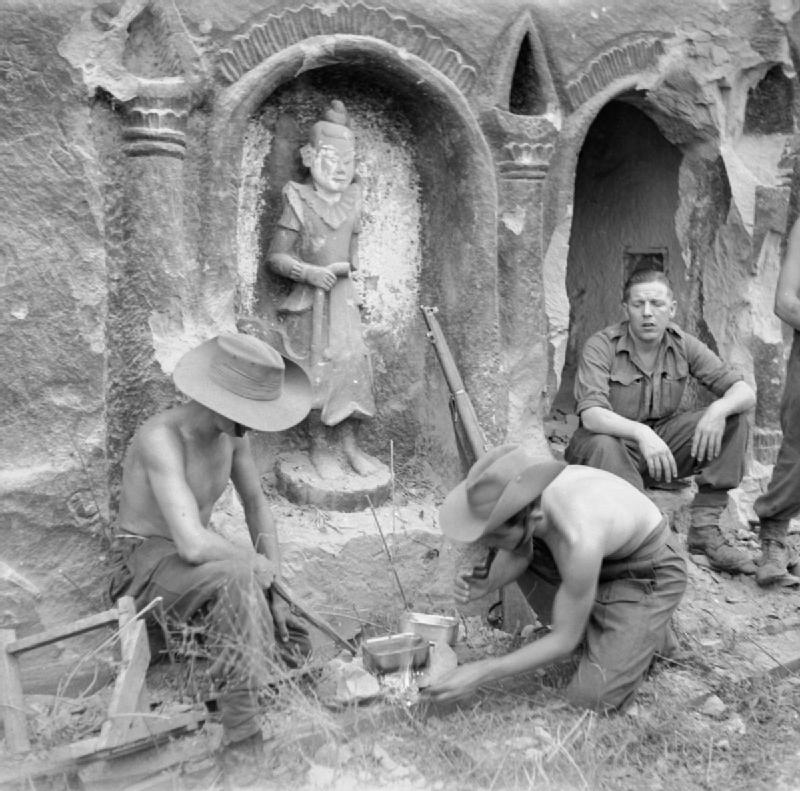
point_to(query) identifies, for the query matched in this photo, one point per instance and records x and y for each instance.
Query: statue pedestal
(298, 481)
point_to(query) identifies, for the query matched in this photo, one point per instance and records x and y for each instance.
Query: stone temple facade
(517, 159)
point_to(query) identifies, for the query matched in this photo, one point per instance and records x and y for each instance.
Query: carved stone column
(523, 147)
(149, 280)
(521, 258)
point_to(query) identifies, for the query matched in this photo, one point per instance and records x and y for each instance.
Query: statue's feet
(361, 462)
(325, 463)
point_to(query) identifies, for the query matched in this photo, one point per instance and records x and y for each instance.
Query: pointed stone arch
(523, 81)
(159, 45)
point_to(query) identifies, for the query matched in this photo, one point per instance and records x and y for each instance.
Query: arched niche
(770, 105)
(625, 203)
(430, 210)
(518, 77)
(525, 95)
(646, 189)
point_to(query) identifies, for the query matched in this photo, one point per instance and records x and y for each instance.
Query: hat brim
(457, 520)
(191, 377)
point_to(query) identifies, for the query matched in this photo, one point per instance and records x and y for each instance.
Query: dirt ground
(727, 707)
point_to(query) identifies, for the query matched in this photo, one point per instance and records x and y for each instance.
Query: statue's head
(330, 152)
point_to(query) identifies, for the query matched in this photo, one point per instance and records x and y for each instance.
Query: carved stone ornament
(638, 53)
(279, 31)
(523, 145)
(145, 58)
(526, 160)
(155, 125)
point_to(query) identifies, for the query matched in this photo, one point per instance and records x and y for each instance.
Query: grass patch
(519, 735)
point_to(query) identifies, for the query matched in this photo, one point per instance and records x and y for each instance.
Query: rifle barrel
(461, 399)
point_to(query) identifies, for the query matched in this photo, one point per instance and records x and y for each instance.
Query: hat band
(267, 386)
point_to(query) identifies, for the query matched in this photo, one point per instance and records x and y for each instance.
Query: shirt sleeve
(708, 368)
(594, 368)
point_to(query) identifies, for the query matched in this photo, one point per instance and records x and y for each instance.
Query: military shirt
(611, 376)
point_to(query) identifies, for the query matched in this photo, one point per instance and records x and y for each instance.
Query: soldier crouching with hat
(594, 558)
(177, 466)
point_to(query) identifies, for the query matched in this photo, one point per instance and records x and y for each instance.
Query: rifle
(462, 408)
(313, 619)
(461, 404)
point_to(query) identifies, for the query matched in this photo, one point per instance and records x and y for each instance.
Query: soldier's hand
(459, 683)
(657, 455)
(320, 277)
(467, 588)
(264, 570)
(708, 433)
(281, 614)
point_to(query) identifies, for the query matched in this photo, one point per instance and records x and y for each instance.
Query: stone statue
(316, 247)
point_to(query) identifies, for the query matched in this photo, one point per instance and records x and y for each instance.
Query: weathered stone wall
(141, 175)
(52, 328)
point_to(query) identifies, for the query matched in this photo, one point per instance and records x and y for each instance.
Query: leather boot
(243, 763)
(774, 562)
(706, 537)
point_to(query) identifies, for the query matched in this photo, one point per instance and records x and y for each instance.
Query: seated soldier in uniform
(594, 558)
(177, 466)
(630, 382)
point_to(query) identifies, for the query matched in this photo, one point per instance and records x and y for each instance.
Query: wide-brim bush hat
(245, 380)
(499, 485)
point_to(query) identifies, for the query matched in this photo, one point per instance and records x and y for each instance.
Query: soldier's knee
(603, 442)
(227, 573)
(597, 699)
(599, 694)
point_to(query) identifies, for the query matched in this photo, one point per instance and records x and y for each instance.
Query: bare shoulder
(583, 493)
(157, 439)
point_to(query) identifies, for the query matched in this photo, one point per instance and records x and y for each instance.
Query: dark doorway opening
(626, 197)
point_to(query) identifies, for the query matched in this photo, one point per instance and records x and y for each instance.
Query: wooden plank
(56, 633)
(148, 766)
(11, 700)
(68, 756)
(129, 695)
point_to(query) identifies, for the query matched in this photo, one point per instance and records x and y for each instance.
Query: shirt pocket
(625, 392)
(673, 385)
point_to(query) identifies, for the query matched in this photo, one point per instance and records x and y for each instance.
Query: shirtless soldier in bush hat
(176, 468)
(594, 558)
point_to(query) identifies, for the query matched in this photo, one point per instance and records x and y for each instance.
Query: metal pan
(395, 652)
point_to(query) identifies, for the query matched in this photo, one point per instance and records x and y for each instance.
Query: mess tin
(395, 652)
(434, 628)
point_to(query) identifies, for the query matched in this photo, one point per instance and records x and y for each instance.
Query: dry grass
(517, 735)
(520, 736)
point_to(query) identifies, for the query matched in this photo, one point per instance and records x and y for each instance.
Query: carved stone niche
(428, 232)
